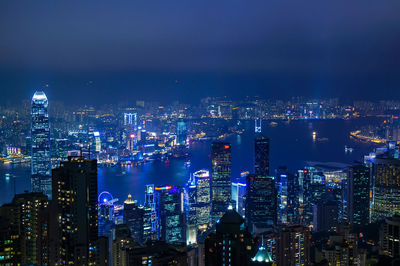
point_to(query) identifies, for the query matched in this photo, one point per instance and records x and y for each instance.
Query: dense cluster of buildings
(144, 131)
(319, 215)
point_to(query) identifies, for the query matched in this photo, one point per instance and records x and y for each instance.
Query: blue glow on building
(40, 136)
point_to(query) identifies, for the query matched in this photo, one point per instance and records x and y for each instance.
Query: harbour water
(292, 145)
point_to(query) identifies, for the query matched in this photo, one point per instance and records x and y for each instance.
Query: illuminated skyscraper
(261, 209)
(40, 152)
(358, 186)
(151, 217)
(311, 191)
(203, 198)
(261, 151)
(238, 196)
(75, 199)
(181, 132)
(198, 198)
(288, 196)
(191, 205)
(130, 120)
(220, 179)
(134, 218)
(171, 213)
(386, 188)
(148, 234)
(97, 141)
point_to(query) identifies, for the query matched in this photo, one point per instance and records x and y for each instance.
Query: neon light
(105, 197)
(226, 146)
(163, 188)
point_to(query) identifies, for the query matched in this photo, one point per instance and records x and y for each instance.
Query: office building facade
(386, 188)
(358, 201)
(261, 202)
(75, 199)
(171, 214)
(220, 179)
(40, 144)
(261, 152)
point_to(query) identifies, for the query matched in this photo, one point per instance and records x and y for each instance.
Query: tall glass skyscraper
(181, 132)
(190, 206)
(358, 185)
(40, 153)
(386, 188)
(312, 190)
(220, 179)
(287, 187)
(261, 152)
(151, 214)
(239, 196)
(261, 209)
(203, 199)
(75, 209)
(171, 213)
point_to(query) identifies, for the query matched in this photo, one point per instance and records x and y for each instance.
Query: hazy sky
(163, 49)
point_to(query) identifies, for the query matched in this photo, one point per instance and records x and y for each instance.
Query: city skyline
(204, 133)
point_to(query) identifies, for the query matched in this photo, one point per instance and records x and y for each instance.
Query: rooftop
(39, 96)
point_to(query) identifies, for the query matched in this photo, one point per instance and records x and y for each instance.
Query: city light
(199, 115)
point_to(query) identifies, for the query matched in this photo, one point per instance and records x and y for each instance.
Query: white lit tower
(40, 137)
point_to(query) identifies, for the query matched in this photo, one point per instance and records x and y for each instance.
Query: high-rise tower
(261, 209)
(181, 132)
(220, 179)
(261, 151)
(358, 186)
(28, 218)
(386, 188)
(203, 199)
(75, 206)
(40, 152)
(171, 213)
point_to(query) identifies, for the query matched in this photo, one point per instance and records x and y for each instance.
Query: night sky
(109, 51)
